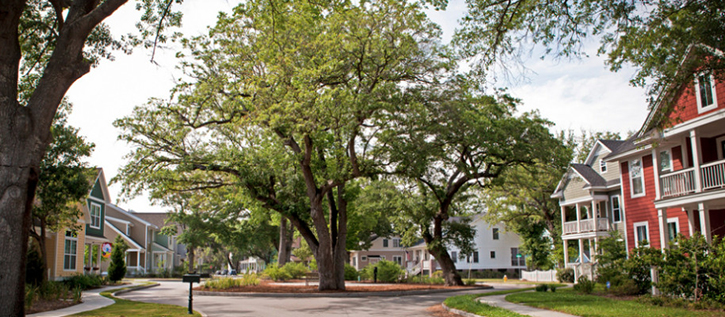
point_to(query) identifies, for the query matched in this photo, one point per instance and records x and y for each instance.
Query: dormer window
(95, 216)
(705, 92)
(602, 166)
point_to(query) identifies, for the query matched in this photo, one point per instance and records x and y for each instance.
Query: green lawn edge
(126, 308)
(570, 302)
(469, 303)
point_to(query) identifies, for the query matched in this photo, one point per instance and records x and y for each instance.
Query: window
(602, 209)
(517, 259)
(493, 254)
(385, 243)
(354, 261)
(636, 179)
(495, 233)
(641, 234)
(602, 166)
(673, 228)
(95, 216)
(472, 258)
(70, 254)
(363, 258)
(396, 243)
(705, 92)
(616, 210)
(454, 256)
(665, 161)
(398, 259)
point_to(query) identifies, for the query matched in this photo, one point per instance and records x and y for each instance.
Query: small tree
(117, 269)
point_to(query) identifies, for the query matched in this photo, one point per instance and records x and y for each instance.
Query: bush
(489, 274)
(388, 271)
(249, 279)
(424, 279)
(221, 283)
(275, 273)
(351, 273)
(313, 265)
(469, 281)
(542, 288)
(295, 269)
(117, 268)
(84, 282)
(584, 285)
(565, 275)
(552, 287)
(626, 288)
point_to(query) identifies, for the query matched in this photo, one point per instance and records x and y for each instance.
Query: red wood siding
(681, 219)
(686, 106)
(641, 208)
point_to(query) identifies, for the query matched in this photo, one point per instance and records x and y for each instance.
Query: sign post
(191, 279)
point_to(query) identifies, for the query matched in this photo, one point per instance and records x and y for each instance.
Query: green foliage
(117, 268)
(471, 304)
(541, 288)
(34, 268)
(469, 281)
(611, 258)
(553, 287)
(274, 272)
(425, 279)
(388, 271)
(625, 288)
(230, 282)
(584, 285)
(565, 275)
(313, 265)
(84, 282)
(303, 252)
(638, 267)
(351, 273)
(295, 270)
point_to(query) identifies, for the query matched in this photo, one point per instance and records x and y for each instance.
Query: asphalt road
(177, 293)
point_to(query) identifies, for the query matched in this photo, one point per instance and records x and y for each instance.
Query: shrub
(222, 283)
(313, 265)
(84, 282)
(584, 285)
(295, 269)
(249, 279)
(626, 288)
(117, 268)
(565, 275)
(351, 273)
(424, 279)
(275, 273)
(542, 288)
(469, 281)
(388, 271)
(552, 287)
(489, 274)
(31, 292)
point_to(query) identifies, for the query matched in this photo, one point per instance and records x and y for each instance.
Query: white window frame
(676, 221)
(618, 209)
(398, 259)
(454, 256)
(396, 243)
(385, 243)
(98, 216)
(641, 176)
(495, 233)
(700, 108)
(363, 258)
(602, 166)
(636, 225)
(73, 240)
(669, 155)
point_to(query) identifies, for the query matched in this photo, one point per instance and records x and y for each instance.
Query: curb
(351, 294)
(134, 288)
(458, 311)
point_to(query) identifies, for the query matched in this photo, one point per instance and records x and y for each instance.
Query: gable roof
(612, 145)
(589, 175)
(131, 215)
(158, 219)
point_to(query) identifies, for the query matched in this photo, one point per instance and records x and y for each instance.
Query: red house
(672, 172)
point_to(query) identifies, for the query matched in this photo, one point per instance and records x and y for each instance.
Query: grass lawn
(510, 281)
(470, 304)
(571, 302)
(127, 308)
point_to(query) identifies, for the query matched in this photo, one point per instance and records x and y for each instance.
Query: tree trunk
(450, 275)
(284, 243)
(191, 260)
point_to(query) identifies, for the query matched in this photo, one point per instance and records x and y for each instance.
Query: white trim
(636, 237)
(132, 216)
(126, 222)
(638, 150)
(720, 154)
(619, 203)
(118, 231)
(603, 163)
(689, 199)
(694, 123)
(700, 108)
(67, 238)
(100, 215)
(676, 221)
(641, 176)
(659, 157)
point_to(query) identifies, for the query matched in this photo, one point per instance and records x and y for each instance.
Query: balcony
(683, 182)
(586, 225)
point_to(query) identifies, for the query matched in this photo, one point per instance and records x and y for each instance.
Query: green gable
(97, 192)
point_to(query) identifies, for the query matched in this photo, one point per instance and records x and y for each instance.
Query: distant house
(495, 250)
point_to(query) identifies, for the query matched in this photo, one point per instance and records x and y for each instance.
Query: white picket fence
(539, 276)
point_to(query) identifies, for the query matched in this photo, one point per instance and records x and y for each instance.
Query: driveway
(177, 293)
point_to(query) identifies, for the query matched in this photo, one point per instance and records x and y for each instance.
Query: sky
(574, 94)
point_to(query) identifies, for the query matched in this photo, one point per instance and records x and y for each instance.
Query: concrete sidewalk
(92, 299)
(500, 301)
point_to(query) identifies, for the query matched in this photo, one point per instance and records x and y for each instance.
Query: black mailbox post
(191, 279)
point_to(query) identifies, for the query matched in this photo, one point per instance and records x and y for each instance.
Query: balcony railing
(586, 225)
(713, 175)
(678, 183)
(682, 182)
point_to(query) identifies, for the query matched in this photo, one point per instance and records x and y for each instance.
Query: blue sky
(574, 94)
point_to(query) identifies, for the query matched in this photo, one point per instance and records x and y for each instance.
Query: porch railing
(586, 225)
(678, 183)
(713, 175)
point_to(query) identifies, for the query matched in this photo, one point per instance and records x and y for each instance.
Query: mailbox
(191, 278)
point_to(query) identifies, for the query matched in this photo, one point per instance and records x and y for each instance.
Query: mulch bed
(40, 305)
(266, 286)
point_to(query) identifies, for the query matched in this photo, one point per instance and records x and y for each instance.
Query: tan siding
(612, 171)
(574, 189)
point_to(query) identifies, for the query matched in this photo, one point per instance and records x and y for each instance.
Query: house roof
(132, 215)
(626, 146)
(589, 175)
(612, 145)
(156, 218)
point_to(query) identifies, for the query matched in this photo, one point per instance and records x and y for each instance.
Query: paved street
(177, 293)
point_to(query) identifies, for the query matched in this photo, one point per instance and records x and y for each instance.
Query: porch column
(563, 218)
(578, 219)
(656, 169)
(664, 229)
(566, 252)
(690, 221)
(705, 222)
(98, 256)
(90, 258)
(594, 253)
(695, 145)
(581, 250)
(138, 261)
